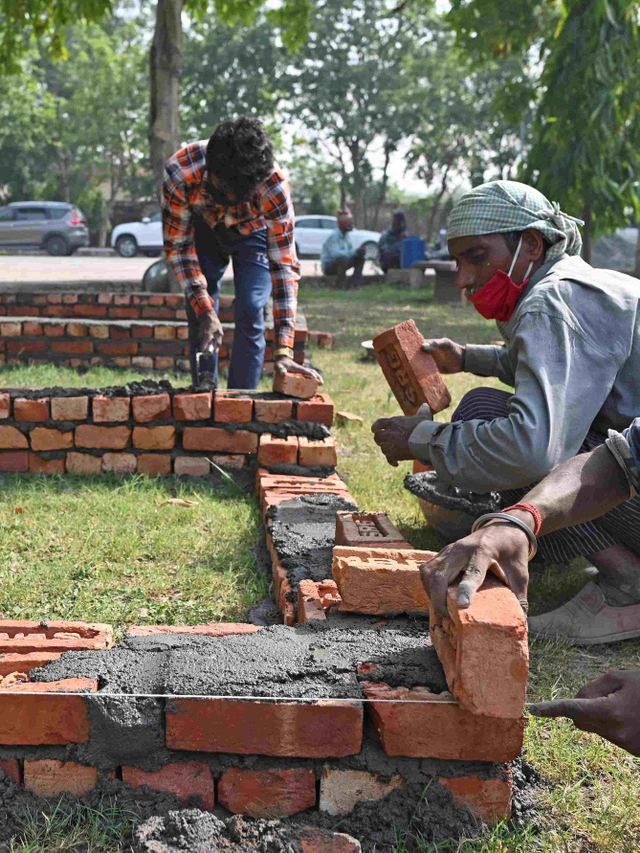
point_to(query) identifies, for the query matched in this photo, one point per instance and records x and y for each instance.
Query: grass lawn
(103, 549)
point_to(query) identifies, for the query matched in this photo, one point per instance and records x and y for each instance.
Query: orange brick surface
(49, 777)
(184, 779)
(310, 607)
(439, 729)
(376, 580)
(99, 331)
(50, 439)
(78, 347)
(17, 461)
(318, 410)
(216, 629)
(368, 530)
(109, 438)
(83, 463)
(341, 789)
(151, 408)
(11, 768)
(295, 385)
(154, 438)
(321, 729)
(214, 438)
(31, 410)
(233, 410)
(318, 452)
(484, 650)
(38, 465)
(273, 411)
(18, 635)
(111, 409)
(412, 374)
(191, 466)
(270, 794)
(192, 407)
(17, 662)
(77, 330)
(29, 718)
(119, 463)
(154, 464)
(275, 451)
(69, 408)
(487, 799)
(12, 439)
(5, 405)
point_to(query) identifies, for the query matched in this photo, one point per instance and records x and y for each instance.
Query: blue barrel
(412, 249)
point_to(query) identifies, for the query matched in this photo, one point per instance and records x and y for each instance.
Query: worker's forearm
(579, 490)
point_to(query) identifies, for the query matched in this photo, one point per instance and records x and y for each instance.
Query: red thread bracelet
(534, 512)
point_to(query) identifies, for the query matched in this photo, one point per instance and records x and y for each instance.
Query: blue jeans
(252, 282)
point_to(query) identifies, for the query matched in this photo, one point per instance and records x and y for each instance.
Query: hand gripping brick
(484, 651)
(411, 373)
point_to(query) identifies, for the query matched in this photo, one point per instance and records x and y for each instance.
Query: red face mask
(497, 299)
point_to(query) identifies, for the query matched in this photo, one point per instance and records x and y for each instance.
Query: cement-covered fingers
(607, 706)
(498, 548)
(392, 436)
(447, 354)
(211, 333)
(288, 365)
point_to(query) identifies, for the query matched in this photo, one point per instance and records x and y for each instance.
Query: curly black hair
(239, 157)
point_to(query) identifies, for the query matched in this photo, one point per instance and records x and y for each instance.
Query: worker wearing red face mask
(572, 357)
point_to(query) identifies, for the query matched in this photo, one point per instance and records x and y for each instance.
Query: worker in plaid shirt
(222, 199)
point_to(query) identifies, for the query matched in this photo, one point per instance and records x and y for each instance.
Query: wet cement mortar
(429, 487)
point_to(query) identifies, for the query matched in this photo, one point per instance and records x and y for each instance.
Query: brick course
(184, 779)
(268, 794)
(31, 720)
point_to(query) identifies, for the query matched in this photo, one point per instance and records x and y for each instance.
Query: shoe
(588, 619)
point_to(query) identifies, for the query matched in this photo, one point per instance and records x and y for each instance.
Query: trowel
(204, 377)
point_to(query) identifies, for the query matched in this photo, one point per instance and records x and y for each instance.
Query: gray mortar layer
(429, 487)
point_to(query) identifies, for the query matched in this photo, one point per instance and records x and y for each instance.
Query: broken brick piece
(5, 405)
(184, 779)
(272, 793)
(192, 466)
(377, 580)
(368, 530)
(295, 384)
(487, 799)
(318, 452)
(422, 724)
(341, 790)
(310, 607)
(216, 629)
(484, 650)
(412, 374)
(313, 839)
(276, 451)
(38, 465)
(11, 768)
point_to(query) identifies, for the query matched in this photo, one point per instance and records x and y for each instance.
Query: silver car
(56, 226)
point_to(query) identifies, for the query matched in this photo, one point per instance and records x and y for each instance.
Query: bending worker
(577, 491)
(227, 198)
(572, 356)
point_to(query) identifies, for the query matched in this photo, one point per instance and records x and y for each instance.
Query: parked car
(56, 226)
(145, 236)
(311, 232)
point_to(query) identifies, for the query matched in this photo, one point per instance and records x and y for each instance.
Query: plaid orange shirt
(185, 195)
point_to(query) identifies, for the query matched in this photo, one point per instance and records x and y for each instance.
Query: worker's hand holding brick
(392, 436)
(210, 332)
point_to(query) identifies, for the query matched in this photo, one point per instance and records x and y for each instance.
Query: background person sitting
(338, 254)
(390, 243)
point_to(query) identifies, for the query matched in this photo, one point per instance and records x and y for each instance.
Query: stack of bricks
(143, 331)
(167, 433)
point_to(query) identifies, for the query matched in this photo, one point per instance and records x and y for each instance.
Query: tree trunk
(436, 207)
(636, 269)
(587, 231)
(165, 67)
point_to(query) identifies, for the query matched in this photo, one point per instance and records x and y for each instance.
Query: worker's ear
(533, 244)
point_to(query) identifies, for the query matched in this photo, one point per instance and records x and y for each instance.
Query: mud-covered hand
(500, 548)
(210, 329)
(284, 364)
(447, 354)
(392, 436)
(607, 706)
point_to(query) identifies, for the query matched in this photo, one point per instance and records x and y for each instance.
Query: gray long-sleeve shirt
(573, 359)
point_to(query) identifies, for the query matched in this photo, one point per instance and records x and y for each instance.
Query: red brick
(54, 298)
(54, 330)
(77, 330)
(215, 629)
(109, 438)
(57, 635)
(164, 362)
(124, 313)
(151, 408)
(69, 408)
(24, 662)
(142, 331)
(412, 374)
(346, 418)
(119, 333)
(175, 300)
(318, 452)
(164, 332)
(230, 460)
(484, 650)
(10, 330)
(22, 311)
(487, 799)
(192, 407)
(157, 313)
(318, 410)
(181, 314)
(142, 361)
(72, 347)
(368, 530)
(276, 451)
(119, 463)
(83, 463)
(32, 328)
(23, 346)
(117, 347)
(69, 298)
(120, 360)
(48, 777)
(310, 608)
(5, 405)
(111, 409)
(273, 411)
(40, 299)
(90, 311)
(341, 790)
(270, 794)
(315, 840)
(154, 465)
(231, 409)
(322, 729)
(50, 439)
(37, 465)
(419, 467)
(295, 385)
(11, 769)
(105, 298)
(212, 438)
(99, 331)
(12, 439)
(18, 461)
(54, 311)
(184, 779)
(156, 299)
(192, 466)
(31, 410)
(376, 580)
(182, 333)
(122, 299)
(30, 719)
(438, 727)
(154, 438)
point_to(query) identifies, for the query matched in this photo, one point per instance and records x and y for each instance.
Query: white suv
(311, 232)
(145, 236)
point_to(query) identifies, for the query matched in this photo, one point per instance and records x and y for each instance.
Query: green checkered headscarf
(501, 206)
